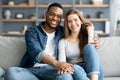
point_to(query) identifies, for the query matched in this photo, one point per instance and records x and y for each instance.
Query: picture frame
(19, 15)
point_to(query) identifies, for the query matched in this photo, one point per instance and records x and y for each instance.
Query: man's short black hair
(54, 5)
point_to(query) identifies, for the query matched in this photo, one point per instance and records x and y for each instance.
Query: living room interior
(18, 15)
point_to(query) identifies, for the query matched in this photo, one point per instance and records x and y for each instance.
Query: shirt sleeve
(32, 43)
(62, 50)
(40, 56)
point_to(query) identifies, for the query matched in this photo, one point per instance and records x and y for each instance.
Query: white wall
(0, 18)
(114, 14)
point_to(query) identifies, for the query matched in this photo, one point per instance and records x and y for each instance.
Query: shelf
(46, 5)
(77, 5)
(33, 20)
(19, 20)
(7, 34)
(91, 5)
(21, 34)
(98, 19)
(103, 35)
(17, 6)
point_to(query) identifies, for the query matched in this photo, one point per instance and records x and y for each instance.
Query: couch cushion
(11, 51)
(110, 55)
(112, 78)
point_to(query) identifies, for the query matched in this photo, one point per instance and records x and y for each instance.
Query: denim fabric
(17, 73)
(82, 71)
(36, 40)
(91, 58)
(35, 73)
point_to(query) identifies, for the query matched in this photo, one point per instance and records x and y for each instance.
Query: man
(40, 60)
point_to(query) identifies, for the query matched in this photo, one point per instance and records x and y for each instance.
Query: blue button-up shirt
(36, 40)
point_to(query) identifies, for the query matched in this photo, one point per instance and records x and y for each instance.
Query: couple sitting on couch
(77, 59)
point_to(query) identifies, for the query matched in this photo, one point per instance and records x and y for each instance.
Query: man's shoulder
(61, 27)
(33, 28)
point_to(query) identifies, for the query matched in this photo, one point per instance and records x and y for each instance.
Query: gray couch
(13, 48)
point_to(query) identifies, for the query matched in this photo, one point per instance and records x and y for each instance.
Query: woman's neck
(73, 38)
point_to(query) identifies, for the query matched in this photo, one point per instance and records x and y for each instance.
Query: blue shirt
(36, 40)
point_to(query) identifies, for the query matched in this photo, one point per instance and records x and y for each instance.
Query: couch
(13, 48)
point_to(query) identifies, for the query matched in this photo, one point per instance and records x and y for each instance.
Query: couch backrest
(13, 48)
(110, 55)
(11, 51)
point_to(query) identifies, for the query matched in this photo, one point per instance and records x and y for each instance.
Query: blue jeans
(91, 65)
(35, 73)
(82, 71)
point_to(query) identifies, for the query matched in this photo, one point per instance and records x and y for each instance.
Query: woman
(77, 48)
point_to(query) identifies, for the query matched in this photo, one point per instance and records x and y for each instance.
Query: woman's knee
(77, 67)
(89, 47)
(65, 76)
(90, 50)
(79, 70)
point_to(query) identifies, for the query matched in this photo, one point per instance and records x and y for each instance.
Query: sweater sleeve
(61, 47)
(91, 36)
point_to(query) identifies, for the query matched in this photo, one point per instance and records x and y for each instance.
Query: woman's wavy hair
(83, 35)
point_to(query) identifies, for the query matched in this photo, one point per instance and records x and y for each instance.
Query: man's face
(53, 17)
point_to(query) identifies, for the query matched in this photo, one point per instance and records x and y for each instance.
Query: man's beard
(48, 24)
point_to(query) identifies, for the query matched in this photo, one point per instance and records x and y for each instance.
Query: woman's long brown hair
(83, 35)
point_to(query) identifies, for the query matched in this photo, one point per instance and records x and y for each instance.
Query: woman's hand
(90, 29)
(96, 42)
(64, 67)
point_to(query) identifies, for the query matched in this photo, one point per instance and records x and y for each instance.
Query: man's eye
(59, 16)
(51, 14)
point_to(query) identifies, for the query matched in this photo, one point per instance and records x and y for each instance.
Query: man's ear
(45, 13)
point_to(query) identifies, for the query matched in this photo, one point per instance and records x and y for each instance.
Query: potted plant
(100, 14)
(118, 24)
(32, 16)
(97, 2)
(11, 3)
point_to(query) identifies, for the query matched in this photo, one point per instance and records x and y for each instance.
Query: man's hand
(96, 42)
(64, 67)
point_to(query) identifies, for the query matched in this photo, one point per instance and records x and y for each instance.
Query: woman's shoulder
(63, 41)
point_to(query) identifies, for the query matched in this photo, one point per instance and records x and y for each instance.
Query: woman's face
(74, 23)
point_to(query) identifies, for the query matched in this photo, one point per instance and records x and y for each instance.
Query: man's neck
(48, 29)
